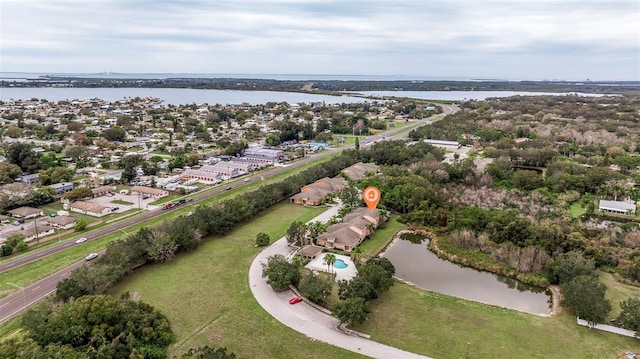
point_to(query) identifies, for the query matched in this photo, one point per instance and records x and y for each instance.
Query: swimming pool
(340, 264)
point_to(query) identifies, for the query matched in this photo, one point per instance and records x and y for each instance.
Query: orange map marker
(371, 196)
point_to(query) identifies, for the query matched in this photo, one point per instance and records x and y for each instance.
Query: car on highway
(295, 300)
(81, 240)
(91, 257)
(228, 188)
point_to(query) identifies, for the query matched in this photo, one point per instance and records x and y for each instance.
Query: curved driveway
(307, 320)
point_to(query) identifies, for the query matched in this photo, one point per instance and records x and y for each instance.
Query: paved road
(307, 320)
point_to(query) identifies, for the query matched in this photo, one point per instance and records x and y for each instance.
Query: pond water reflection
(415, 263)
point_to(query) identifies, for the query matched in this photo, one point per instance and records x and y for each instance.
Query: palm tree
(329, 258)
(356, 254)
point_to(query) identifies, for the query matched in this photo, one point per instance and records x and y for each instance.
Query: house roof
(42, 228)
(359, 170)
(310, 250)
(61, 220)
(89, 207)
(102, 189)
(25, 211)
(342, 233)
(616, 206)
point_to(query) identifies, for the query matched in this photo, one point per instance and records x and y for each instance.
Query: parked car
(91, 257)
(81, 240)
(295, 300)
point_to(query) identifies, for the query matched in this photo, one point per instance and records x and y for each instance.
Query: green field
(205, 294)
(441, 326)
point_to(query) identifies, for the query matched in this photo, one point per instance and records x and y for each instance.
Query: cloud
(323, 36)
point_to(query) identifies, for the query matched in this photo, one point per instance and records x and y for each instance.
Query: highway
(15, 303)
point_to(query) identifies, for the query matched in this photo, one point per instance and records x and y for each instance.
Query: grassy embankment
(206, 296)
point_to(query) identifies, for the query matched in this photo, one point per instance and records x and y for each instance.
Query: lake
(416, 264)
(180, 96)
(468, 95)
(171, 96)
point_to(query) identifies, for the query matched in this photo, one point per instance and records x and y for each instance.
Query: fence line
(608, 328)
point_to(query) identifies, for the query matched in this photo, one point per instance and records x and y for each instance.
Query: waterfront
(170, 96)
(416, 264)
(182, 96)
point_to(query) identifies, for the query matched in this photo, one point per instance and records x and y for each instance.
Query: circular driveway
(303, 318)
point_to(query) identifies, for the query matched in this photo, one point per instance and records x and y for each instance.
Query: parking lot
(137, 202)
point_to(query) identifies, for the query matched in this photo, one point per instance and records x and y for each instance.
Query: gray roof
(616, 206)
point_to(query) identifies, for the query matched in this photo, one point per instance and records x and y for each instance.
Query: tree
(329, 260)
(9, 172)
(584, 295)
(280, 273)
(350, 196)
(22, 155)
(352, 311)
(109, 327)
(114, 134)
(379, 277)
(357, 287)
(81, 224)
(77, 153)
(315, 288)
(384, 263)
(262, 239)
(297, 232)
(630, 315)
(569, 265)
(78, 193)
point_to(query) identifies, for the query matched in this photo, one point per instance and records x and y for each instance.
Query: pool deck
(318, 264)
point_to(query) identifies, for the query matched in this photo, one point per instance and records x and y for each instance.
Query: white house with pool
(344, 268)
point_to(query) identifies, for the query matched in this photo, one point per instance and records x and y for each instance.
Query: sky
(573, 40)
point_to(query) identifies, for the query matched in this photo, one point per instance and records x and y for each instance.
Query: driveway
(304, 318)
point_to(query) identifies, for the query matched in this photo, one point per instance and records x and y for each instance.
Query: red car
(295, 300)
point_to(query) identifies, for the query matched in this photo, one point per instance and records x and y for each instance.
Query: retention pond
(415, 263)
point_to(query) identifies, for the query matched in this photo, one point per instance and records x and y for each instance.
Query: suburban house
(61, 222)
(310, 251)
(314, 193)
(617, 207)
(356, 226)
(149, 191)
(39, 231)
(359, 170)
(102, 190)
(62, 188)
(90, 209)
(26, 212)
(30, 179)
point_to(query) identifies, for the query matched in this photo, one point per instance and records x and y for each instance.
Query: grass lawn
(576, 210)
(617, 292)
(205, 294)
(374, 245)
(441, 326)
(119, 201)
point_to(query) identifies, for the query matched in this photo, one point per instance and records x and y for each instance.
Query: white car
(91, 256)
(81, 239)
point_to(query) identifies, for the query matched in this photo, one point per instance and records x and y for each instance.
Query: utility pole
(468, 343)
